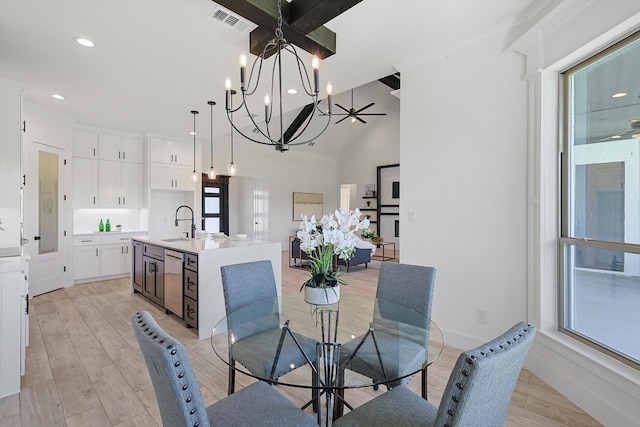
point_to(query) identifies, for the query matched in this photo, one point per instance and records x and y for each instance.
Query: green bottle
(107, 226)
(101, 226)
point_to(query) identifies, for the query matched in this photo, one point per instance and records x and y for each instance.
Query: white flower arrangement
(334, 234)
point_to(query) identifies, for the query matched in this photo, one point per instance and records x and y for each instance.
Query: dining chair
(256, 334)
(406, 285)
(478, 392)
(179, 396)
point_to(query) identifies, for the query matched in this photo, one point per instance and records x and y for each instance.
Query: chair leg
(232, 378)
(424, 383)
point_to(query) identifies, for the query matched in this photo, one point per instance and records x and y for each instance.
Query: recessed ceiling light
(619, 95)
(57, 96)
(616, 137)
(192, 133)
(292, 91)
(83, 42)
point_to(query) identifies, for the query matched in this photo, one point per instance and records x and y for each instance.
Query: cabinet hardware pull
(84, 241)
(94, 152)
(118, 154)
(94, 200)
(118, 200)
(123, 200)
(124, 155)
(96, 251)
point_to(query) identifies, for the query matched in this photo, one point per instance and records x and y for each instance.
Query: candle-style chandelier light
(266, 132)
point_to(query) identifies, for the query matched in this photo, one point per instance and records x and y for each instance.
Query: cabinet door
(131, 150)
(153, 286)
(86, 262)
(110, 183)
(110, 146)
(85, 183)
(138, 266)
(160, 176)
(85, 144)
(112, 260)
(160, 151)
(183, 178)
(126, 249)
(10, 158)
(131, 185)
(183, 154)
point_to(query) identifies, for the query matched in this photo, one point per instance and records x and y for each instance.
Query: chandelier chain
(279, 34)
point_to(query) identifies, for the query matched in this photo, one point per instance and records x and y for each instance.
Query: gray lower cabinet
(168, 278)
(138, 266)
(191, 290)
(153, 283)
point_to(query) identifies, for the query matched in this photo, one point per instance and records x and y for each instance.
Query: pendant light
(232, 168)
(195, 175)
(212, 171)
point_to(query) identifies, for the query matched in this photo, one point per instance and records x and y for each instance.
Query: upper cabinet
(170, 152)
(170, 165)
(120, 148)
(85, 144)
(107, 169)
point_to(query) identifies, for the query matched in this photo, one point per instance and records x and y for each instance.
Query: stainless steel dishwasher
(173, 281)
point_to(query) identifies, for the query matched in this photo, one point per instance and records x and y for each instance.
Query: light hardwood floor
(84, 366)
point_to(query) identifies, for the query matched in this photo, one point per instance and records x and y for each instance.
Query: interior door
(43, 218)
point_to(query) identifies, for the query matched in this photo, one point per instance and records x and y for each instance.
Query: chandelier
(266, 132)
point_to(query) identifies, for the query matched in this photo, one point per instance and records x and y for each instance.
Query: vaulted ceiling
(154, 61)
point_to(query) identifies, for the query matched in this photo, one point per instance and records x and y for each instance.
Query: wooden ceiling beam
(299, 17)
(308, 15)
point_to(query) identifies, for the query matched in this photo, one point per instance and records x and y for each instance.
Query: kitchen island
(182, 275)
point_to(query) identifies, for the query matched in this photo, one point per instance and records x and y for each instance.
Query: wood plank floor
(84, 366)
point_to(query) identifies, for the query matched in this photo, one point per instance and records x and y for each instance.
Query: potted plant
(334, 235)
(367, 234)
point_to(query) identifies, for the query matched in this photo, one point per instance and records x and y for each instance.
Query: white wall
(463, 173)
(284, 174)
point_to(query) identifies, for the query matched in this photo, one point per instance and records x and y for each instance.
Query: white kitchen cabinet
(85, 143)
(120, 184)
(86, 257)
(85, 183)
(120, 148)
(171, 177)
(10, 167)
(115, 256)
(13, 324)
(170, 152)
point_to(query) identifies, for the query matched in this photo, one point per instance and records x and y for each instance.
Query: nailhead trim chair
(478, 392)
(179, 396)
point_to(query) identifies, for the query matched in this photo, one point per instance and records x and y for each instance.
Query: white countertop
(13, 263)
(200, 243)
(93, 233)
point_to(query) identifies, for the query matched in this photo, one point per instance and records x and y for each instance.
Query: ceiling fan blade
(342, 119)
(360, 119)
(372, 114)
(365, 107)
(340, 106)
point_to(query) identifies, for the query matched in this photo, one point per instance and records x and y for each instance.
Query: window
(600, 241)
(215, 204)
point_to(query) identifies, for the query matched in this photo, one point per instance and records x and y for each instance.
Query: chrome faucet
(193, 223)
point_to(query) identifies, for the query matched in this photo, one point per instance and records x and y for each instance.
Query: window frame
(565, 240)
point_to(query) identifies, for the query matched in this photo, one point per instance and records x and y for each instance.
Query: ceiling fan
(355, 114)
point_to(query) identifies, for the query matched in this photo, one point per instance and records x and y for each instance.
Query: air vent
(232, 20)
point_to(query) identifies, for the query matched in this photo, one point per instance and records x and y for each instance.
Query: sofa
(362, 255)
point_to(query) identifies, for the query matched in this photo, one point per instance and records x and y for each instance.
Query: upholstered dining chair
(255, 338)
(406, 285)
(178, 392)
(478, 392)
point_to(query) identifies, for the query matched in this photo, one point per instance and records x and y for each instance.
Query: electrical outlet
(482, 317)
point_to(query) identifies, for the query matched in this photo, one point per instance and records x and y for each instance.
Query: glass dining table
(362, 342)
